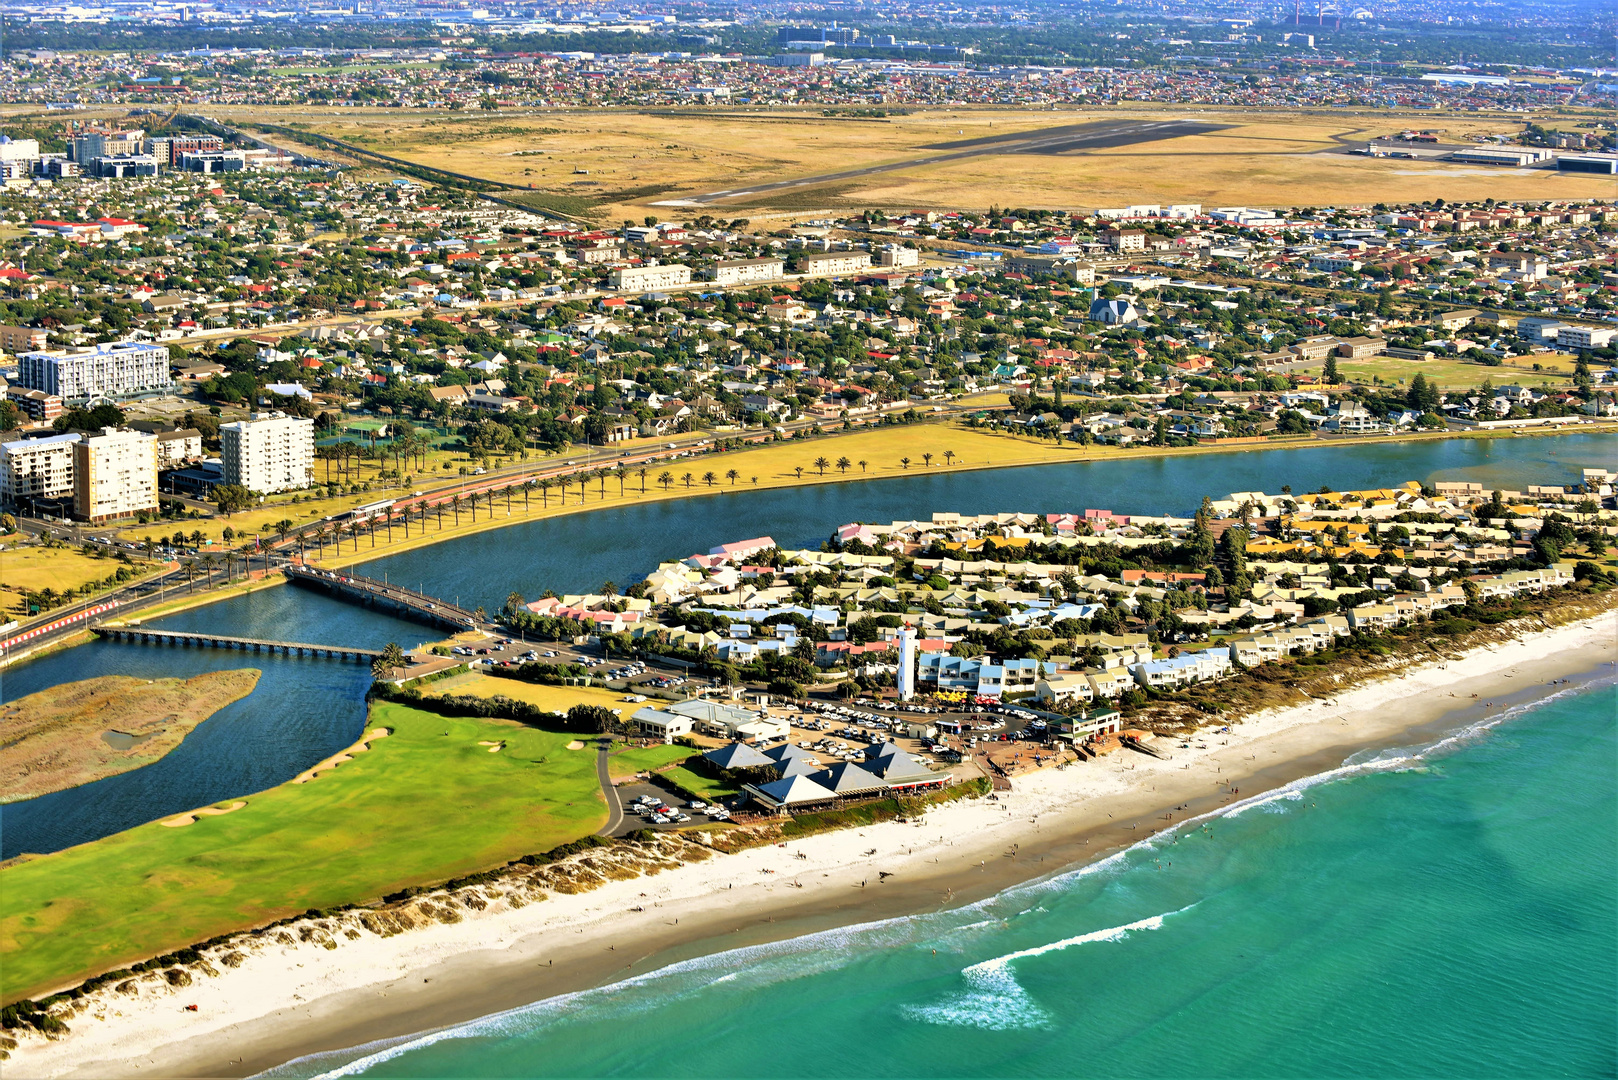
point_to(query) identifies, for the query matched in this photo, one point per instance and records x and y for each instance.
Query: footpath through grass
(427, 803)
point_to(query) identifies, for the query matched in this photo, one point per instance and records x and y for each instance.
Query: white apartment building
(268, 453)
(36, 469)
(897, 255)
(832, 263)
(114, 475)
(651, 278)
(1585, 337)
(112, 369)
(741, 271)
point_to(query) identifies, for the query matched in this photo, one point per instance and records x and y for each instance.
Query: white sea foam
(995, 1001)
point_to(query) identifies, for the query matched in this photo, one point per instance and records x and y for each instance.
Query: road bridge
(408, 602)
(228, 641)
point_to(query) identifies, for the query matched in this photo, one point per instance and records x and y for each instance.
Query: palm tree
(620, 472)
(709, 478)
(545, 490)
(665, 478)
(822, 464)
(283, 527)
(687, 478)
(733, 476)
(642, 474)
(904, 463)
(928, 458)
(455, 505)
(799, 470)
(862, 464)
(949, 457)
(392, 658)
(842, 465)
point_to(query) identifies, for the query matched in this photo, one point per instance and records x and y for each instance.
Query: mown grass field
(646, 758)
(425, 804)
(33, 568)
(1556, 372)
(704, 787)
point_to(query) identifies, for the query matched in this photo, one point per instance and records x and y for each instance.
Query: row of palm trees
(336, 533)
(927, 459)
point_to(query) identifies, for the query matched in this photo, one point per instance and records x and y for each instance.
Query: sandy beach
(285, 1001)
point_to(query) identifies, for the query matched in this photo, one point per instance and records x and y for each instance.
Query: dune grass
(425, 804)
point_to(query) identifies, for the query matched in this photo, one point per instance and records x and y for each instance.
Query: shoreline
(284, 1003)
(399, 547)
(1094, 455)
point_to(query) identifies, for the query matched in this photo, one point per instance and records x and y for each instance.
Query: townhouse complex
(1064, 610)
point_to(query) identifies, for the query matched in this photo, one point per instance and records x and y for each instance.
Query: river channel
(306, 709)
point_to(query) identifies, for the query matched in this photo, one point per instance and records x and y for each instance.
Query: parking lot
(635, 817)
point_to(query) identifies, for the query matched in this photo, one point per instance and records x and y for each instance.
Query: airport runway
(1058, 140)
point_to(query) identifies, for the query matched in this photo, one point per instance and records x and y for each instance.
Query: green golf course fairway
(422, 805)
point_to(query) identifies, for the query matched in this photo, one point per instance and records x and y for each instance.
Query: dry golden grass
(32, 568)
(636, 159)
(553, 698)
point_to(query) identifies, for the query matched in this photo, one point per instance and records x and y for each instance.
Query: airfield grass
(425, 804)
(618, 163)
(551, 698)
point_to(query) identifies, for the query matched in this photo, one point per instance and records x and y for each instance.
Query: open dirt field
(613, 164)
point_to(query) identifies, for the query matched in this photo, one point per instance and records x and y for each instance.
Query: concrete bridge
(226, 641)
(407, 602)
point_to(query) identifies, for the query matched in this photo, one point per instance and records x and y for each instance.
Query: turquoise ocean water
(1449, 909)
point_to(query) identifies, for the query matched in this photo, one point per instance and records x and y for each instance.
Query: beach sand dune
(292, 997)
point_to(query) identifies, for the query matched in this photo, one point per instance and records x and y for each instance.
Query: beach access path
(284, 1002)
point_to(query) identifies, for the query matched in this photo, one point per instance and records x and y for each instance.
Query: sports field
(619, 163)
(1555, 374)
(428, 802)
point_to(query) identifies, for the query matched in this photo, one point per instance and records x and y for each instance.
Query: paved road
(615, 809)
(1060, 140)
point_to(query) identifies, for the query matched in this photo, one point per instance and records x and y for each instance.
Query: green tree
(230, 498)
(1422, 396)
(392, 659)
(1331, 374)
